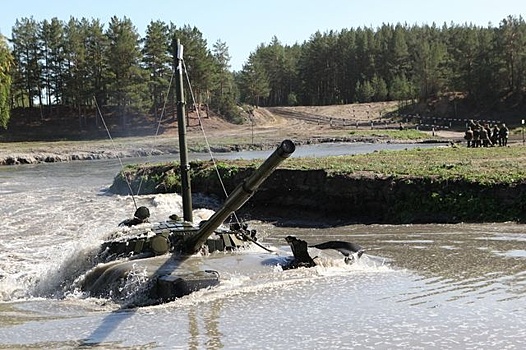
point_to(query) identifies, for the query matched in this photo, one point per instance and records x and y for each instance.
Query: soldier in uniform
(504, 133)
(484, 137)
(468, 136)
(142, 214)
(494, 138)
(476, 136)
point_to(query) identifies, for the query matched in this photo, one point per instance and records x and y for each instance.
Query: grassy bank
(391, 134)
(486, 166)
(506, 165)
(447, 184)
(482, 165)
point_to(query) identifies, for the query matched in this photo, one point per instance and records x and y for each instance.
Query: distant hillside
(64, 124)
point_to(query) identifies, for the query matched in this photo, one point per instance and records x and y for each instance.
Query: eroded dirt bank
(306, 195)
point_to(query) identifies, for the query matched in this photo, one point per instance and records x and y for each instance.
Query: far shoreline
(21, 153)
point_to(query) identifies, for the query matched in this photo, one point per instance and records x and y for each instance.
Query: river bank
(455, 184)
(437, 185)
(67, 151)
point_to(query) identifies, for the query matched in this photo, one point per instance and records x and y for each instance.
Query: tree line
(393, 62)
(80, 64)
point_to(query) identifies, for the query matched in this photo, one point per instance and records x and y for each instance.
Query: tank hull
(148, 281)
(129, 271)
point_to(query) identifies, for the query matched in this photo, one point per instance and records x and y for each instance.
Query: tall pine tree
(6, 63)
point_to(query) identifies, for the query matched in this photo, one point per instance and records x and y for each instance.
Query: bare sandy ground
(265, 129)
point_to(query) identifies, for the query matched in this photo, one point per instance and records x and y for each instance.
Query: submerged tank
(155, 253)
(149, 263)
(182, 237)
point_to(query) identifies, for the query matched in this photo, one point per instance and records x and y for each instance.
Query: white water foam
(43, 251)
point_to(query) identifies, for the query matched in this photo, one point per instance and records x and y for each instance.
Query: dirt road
(266, 128)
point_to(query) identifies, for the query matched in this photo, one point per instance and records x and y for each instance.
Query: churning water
(418, 286)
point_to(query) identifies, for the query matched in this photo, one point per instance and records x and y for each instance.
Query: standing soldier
(504, 133)
(476, 136)
(484, 135)
(494, 135)
(468, 136)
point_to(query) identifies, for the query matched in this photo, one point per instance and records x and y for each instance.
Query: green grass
(506, 165)
(483, 165)
(406, 134)
(424, 174)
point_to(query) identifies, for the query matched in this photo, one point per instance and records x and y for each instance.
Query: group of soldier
(478, 135)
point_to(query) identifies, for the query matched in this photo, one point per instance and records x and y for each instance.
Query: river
(457, 286)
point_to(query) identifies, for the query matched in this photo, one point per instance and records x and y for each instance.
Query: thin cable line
(116, 152)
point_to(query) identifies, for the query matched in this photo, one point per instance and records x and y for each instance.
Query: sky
(245, 24)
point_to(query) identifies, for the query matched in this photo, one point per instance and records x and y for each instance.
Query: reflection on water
(211, 324)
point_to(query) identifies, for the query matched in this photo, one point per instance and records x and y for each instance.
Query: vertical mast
(186, 191)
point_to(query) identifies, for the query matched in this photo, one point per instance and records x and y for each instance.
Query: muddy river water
(457, 286)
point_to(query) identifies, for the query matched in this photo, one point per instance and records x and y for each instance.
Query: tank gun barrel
(239, 196)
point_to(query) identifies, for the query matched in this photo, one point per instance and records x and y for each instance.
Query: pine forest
(70, 68)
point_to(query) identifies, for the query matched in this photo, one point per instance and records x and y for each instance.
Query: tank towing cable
(248, 238)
